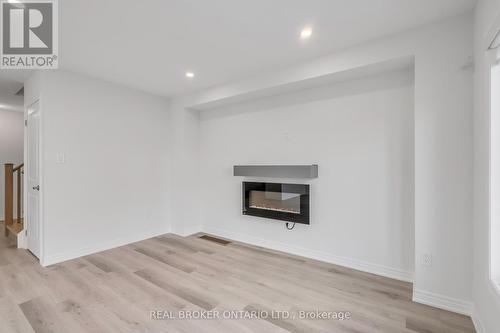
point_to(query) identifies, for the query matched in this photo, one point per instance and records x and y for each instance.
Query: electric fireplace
(285, 202)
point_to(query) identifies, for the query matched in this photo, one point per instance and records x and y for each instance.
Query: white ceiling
(150, 44)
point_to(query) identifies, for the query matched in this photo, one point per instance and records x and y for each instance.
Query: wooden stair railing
(11, 223)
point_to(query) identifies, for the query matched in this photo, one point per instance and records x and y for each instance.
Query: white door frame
(23, 240)
(492, 59)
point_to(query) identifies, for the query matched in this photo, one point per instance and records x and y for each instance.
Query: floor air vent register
(215, 240)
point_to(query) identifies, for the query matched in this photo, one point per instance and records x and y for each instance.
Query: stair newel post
(9, 196)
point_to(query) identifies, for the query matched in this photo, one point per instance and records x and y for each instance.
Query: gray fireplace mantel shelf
(277, 171)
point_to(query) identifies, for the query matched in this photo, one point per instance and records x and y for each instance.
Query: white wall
(184, 145)
(361, 135)
(487, 302)
(443, 144)
(114, 186)
(11, 146)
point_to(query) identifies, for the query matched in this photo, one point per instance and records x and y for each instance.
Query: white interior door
(33, 180)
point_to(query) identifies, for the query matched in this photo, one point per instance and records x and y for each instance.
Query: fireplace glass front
(285, 202)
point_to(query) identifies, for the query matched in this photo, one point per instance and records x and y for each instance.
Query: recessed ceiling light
(190, 75)
(306, 33)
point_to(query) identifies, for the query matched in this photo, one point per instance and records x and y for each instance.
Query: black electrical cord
(293, 226)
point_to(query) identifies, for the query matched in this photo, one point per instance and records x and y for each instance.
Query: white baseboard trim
(84, 251)
(393, 273)
(476, 320)
(443, 302)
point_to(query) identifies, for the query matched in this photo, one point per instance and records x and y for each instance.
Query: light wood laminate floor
(115, 290)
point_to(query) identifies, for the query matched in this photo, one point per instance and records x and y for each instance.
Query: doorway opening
(11, 161)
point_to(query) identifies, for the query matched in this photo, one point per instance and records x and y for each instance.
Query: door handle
(37, 188)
